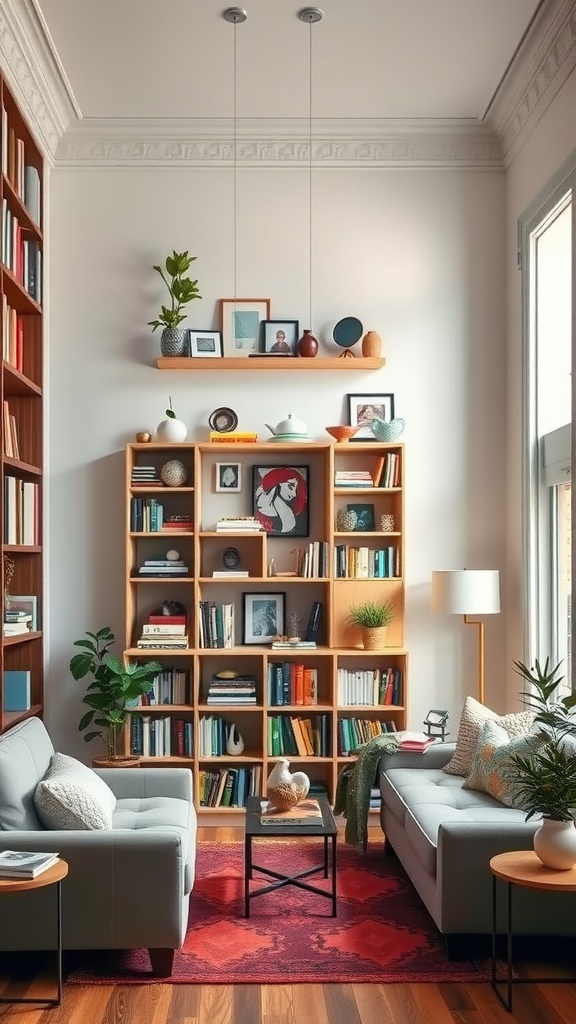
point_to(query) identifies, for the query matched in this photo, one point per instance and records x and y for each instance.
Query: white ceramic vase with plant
(171, 429)
(182, 289)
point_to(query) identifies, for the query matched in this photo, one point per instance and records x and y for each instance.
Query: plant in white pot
(545, 781)
(182, 290)
(171, 429)
(372, 618)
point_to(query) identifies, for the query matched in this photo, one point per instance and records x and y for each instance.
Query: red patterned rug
(382, 932)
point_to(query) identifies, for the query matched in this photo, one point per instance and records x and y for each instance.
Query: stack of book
(145, 476)
(233, 437)
(239, 524)
(416, 741)
(237, 690)
(184, 522)
(168, 632)
(307, 812)
(25, 864)
(163, 568)
(17, 622)
(353, 478)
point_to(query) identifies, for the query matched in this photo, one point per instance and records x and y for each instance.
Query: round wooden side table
(523, 868)
(52, 876)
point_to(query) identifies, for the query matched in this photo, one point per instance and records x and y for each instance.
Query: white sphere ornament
(285, 789)
(174, 473)
(171, 430)
(172, 555)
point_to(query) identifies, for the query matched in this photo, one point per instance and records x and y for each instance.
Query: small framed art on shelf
(280, 337)
(240, 321)
(362, 409)
(264, 616)
(229, 476)
(205, 343)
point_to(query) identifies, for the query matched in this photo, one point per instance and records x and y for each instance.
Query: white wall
(418, 255)
(547, 147)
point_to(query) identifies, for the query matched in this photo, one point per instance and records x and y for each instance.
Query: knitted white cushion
(72, 796)
(472, 719)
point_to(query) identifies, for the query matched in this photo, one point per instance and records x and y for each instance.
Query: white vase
(555, 844)
(171, 430)
(234, 742)
(284, 788)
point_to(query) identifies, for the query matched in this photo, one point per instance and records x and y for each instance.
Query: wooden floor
(292, 1004)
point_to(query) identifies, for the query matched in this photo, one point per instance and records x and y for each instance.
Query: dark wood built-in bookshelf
(21, 394)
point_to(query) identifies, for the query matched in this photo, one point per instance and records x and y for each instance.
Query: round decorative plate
(223, 420)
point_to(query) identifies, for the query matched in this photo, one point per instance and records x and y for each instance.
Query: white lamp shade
(466, 591)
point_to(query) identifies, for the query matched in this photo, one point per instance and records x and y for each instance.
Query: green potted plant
(112, 688)
(372, 618)
(182, 290)
(545, 780)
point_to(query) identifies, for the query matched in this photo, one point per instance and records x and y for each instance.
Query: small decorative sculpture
(285, 789)
(234, 742)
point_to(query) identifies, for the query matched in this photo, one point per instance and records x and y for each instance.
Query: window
(547, 238)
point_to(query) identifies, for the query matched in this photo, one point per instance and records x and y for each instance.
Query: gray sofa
(445, 835)
(126, 888)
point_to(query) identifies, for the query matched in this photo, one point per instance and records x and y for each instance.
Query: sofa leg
(388, 848)
(162, 961)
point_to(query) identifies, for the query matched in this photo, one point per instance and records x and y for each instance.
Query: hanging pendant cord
(234, 164)
(310, 177)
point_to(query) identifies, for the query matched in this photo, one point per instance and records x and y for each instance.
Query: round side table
(53, 876)
(523, 868)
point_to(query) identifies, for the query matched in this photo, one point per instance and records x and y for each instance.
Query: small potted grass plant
(372, 618)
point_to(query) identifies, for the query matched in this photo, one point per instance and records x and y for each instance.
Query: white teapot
(289, 427)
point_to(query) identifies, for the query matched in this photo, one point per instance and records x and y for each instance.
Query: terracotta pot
(374, 639)
(130, 761)
(371, 344)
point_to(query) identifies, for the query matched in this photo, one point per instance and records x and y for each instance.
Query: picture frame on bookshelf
(362, 409)
(229, 477)
(207, 344)
(280, 499)
(263, 617)
(24, 603)
(280, 337)
(240, 321)
(365, 517)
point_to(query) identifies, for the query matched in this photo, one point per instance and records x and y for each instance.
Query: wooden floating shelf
(268, 363)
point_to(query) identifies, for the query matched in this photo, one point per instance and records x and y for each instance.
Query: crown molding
(544, 62)
(34, 73)
(283, 142)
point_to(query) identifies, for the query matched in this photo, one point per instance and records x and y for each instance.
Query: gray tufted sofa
(445, 835)
(126, 888)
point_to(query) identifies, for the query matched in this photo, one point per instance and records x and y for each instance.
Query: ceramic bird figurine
(284, 789)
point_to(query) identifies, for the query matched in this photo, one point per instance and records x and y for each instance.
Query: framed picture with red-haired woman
(280, 499)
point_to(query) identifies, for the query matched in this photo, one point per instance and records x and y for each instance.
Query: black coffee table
(327, 831)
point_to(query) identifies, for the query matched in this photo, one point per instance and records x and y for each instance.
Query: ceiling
(400, 59)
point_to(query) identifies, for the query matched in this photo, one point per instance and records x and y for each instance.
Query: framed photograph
(280, 337)
(362, 409)
(205, 343)
(365, 518)
(280, 499)
(240, 321)
(263, 617)
(228, 476)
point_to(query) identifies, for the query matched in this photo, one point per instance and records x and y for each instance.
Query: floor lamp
(468, 592)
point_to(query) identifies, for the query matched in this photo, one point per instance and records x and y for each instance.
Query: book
(288, 645)
(415, 740)
(16, 689)
(307, 812)
(25, 864)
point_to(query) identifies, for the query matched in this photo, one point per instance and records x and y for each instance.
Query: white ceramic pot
(555, 844)
(171, 430)
(284, 789)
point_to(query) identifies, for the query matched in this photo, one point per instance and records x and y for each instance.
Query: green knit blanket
(353, 788)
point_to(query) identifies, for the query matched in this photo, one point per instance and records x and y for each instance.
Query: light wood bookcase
(22, 398)
(339, 645)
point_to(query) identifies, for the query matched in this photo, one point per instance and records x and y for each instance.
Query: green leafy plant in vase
(182, 290)
(545, 780)
(372, 618)
(111, 691)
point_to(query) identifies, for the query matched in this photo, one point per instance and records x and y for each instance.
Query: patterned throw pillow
(72, 796)
(472, 719)
(491, 764)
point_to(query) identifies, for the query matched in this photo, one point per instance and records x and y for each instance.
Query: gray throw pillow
(72, 796)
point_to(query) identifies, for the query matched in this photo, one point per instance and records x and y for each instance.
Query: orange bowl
(342, 433)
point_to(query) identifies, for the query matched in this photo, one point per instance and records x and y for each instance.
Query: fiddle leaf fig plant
(112, 687)
(182, 289)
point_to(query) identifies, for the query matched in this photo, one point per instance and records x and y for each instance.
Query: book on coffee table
(307, 812)
(25, 864)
